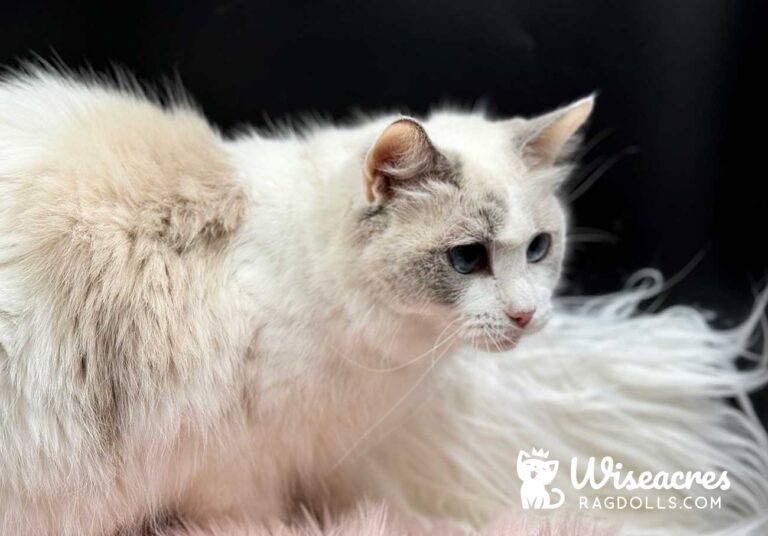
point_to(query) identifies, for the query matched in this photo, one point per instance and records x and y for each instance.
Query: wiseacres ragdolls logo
(537, 472)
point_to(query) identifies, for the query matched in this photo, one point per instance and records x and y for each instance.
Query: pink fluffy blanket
(378, 520)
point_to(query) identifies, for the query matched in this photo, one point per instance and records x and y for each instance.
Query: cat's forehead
(493, 176)
(504, 211)
(484, 148)
(488, 194)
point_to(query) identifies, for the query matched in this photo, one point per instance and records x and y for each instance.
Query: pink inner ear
(399, 153)
(548, 144)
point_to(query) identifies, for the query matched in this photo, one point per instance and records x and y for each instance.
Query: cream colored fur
(203, 328)
(214, 332)
(121, 345)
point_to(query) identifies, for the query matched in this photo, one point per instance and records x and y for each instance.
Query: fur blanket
(378, 520)
(653, 390)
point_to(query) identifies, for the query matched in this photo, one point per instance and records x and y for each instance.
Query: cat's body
(199, 328)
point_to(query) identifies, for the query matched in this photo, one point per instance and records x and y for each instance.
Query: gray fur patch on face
(488, 214)
(492, 210)
(374, 219)
(407, 239)
(480, 222)
(432, 272)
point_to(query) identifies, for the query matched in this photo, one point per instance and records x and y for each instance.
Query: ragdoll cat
(194, 327)
(537, 472)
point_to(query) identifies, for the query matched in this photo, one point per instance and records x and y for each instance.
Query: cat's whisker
(496, 342)
(438, 344)
(593, 142)
(586, 235)
(434, 359)
(388, 413)
(488, 335)
(599, 171)
(498, 336)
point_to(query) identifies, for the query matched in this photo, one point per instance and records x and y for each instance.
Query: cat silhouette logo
(537, 471)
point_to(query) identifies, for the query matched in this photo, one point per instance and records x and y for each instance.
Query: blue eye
(538, 247)
(468, 258)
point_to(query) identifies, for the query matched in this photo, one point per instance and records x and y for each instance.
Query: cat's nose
(521, 318)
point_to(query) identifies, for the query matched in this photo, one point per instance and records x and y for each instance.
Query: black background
(680, 124)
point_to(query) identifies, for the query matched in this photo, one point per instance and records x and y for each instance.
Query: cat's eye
(538, 247)
(468, 258)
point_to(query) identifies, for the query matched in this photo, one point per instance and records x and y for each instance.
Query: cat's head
(463, 223)
(532, 469)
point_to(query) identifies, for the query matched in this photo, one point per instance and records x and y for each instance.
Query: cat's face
(464, 225)
(536, 470)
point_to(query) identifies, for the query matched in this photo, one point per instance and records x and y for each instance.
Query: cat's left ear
(553, 137)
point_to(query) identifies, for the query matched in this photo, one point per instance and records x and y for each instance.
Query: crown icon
(540, 452)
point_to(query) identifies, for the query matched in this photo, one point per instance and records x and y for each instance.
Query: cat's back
(115, 218)
(64, 140)
(102, 188)
(89, 166)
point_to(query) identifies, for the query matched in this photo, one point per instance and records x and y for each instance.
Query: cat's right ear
(403, 152)
(552, 137)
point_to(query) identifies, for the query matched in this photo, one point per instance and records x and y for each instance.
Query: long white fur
(188, 324)
(604, 378)
(195, 444)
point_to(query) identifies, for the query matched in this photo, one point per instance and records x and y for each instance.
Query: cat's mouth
(497, 338)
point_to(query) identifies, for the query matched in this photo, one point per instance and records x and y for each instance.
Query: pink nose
(521, 318)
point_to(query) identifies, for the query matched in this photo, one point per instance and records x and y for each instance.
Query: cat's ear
(403, 152)
(553, 137)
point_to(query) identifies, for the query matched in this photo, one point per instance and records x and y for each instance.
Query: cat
(536, 473)
(199, 327)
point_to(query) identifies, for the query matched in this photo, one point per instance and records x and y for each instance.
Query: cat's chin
(496, 346)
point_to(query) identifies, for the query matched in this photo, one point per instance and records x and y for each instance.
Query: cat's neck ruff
(291, 262)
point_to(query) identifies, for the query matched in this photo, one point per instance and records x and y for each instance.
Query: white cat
(194, 327)
(537, 472)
